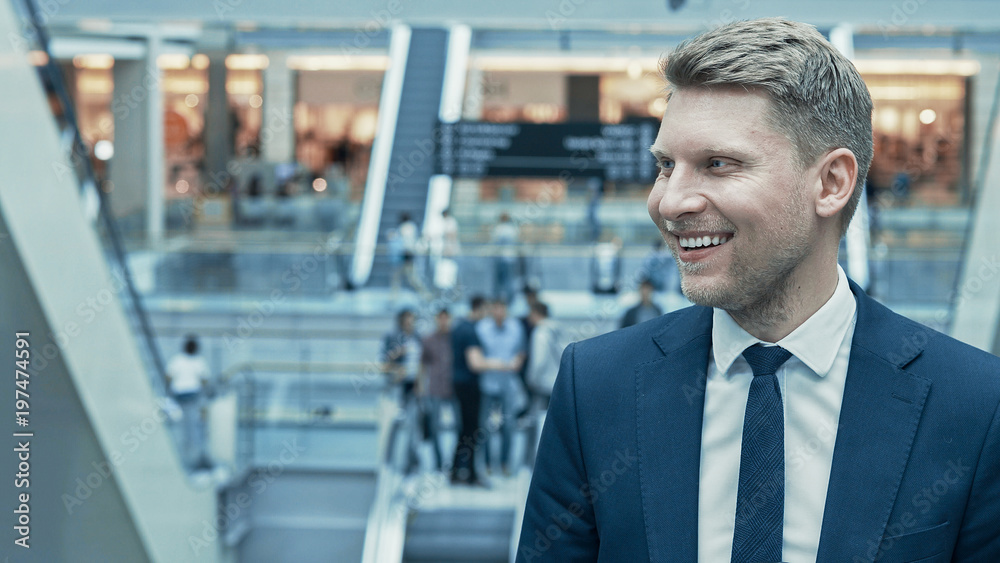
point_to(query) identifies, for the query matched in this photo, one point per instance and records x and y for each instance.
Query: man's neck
(789, 307)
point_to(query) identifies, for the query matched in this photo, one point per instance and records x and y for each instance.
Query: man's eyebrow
(719, 150)
(722, 150)
(658, 153)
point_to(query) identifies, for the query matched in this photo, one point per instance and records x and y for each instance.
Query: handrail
(366, 235)
(298, 333)
(469, 248)
(340, 369)
(386, 529)
(53, 75)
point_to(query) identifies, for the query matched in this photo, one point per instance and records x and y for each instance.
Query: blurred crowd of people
(488, 374)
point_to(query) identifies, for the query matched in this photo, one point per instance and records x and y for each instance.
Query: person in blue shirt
(502, 338)
(467, 362)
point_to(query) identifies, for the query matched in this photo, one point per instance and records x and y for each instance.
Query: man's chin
(706, 292)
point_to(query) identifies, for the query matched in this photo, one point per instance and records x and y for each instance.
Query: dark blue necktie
(760, 500)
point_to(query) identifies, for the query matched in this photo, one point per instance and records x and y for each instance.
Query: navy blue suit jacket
(916, 464)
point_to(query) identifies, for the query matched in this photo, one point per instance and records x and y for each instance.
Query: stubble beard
(754, 295)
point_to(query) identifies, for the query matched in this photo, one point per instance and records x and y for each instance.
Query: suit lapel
(670, 401)
(878, 419)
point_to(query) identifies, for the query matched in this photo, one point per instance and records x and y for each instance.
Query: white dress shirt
(812, 389)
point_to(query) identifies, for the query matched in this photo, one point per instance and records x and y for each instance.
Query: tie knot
(765, 360)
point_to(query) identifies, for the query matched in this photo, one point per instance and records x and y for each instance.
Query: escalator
(412, 161)
(456, 534)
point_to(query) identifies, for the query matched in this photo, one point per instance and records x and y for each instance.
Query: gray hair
(819, 100)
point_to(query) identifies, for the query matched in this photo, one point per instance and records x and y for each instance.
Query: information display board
(618, 152)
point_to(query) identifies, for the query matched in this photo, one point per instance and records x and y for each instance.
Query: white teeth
(698, 242)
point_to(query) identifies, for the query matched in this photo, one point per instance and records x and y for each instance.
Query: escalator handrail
(54, 76)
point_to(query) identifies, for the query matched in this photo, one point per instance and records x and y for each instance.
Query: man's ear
(838, 173)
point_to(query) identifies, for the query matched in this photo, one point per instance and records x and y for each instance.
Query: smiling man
(787, 416)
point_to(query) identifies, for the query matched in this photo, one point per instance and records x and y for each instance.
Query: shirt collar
(815, 342)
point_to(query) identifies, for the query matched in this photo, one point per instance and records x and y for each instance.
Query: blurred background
(212, 215)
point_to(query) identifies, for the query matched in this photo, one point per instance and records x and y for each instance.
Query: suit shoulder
(941, 358)
(956, 356)
(636, 344)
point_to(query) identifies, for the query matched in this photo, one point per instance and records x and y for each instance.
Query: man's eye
(666, 164)
(716, 163)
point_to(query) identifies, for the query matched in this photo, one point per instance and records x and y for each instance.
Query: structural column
(219, 118)
(277, 135)
(136, 170)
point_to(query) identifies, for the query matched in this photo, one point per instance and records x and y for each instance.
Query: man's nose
(680, 195)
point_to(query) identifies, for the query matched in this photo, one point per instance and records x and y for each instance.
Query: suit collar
(670, 401)
(879, 415)
(683, 327)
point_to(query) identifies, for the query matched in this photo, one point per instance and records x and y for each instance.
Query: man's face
(731, 199)
(535, 318)
(499, 312)
(646, 292)
(443, 322)
(407, 322)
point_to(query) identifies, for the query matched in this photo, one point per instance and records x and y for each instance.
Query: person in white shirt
(543, 366)
(546, 348)
(187, 377)
(443, 248)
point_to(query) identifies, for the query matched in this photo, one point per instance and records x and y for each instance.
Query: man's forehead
(734, 102)
(715, 121)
